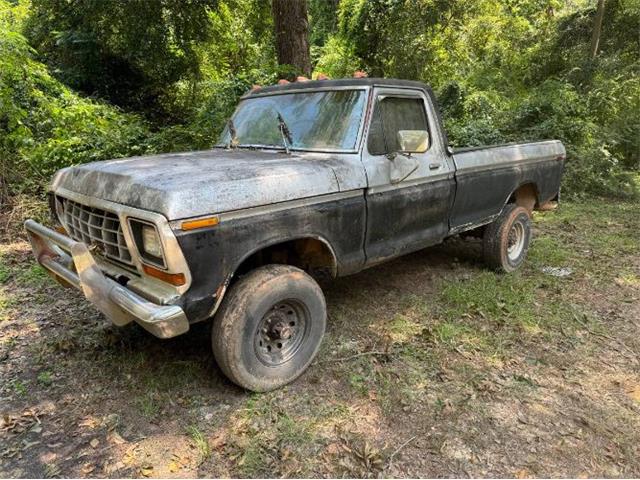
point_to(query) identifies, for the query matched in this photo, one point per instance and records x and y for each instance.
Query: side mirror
(413, 141)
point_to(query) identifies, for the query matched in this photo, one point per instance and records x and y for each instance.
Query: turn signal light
(200, 223)
(176, 279)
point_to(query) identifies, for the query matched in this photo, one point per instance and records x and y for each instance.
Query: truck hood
(181, 185)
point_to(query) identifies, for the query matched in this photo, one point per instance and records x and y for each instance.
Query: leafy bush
(513, 71)
(336, 58)
(504, 71)
(44, 126)
(214, 104)
(130, 53)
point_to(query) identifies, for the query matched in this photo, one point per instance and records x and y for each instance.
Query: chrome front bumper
(71, 263)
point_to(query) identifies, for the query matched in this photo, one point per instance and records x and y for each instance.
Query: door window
(390, 115)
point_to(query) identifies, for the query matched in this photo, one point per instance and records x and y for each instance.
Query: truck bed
(486, 177)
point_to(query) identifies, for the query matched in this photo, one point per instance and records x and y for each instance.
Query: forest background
(85, 80)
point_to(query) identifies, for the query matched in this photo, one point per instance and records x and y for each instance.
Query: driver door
(409, 196)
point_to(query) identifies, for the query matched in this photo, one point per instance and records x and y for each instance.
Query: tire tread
(495, 238)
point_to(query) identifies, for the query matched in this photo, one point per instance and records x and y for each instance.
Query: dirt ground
(432, 367)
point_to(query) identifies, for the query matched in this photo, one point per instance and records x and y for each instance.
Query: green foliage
(215, 103)
(323, 16)
(336, 58)
(200, 441)
(44, 126)
(512, 71)
(5, 273)
(503, 71)
(130, 52)
(45, 379)
(240, 54)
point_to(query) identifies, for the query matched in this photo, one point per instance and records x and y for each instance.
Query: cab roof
(344, 82)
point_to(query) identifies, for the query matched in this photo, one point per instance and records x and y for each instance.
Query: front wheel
(269, 327)
(506, 239)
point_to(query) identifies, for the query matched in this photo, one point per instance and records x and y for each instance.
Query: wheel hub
(281, 332)
(515, 241)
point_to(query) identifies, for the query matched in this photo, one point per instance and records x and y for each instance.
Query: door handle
(434, 166)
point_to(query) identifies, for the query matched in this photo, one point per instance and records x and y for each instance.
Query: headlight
(148, 242)
(151, 242)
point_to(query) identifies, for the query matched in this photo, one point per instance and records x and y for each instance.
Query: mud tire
(237, 327)
(501, 251)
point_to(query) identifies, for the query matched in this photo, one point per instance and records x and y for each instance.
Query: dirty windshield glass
(326, 120)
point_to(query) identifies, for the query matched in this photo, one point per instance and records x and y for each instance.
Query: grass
(45, 379)
(548, 251)
(265, 437)
(419, 347)
(5, 300)
(490, 316)
(5, 303)
(200, 441)
(34, 276)
(593, 228)
(19, 387)
(148, 404)
(5, 272)
(403, 328)
(489, 311)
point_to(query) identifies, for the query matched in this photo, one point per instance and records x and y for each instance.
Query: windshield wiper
(233, 142)
(285, 132)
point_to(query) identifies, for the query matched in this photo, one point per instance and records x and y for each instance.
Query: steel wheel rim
(281, 332)
(515, 242)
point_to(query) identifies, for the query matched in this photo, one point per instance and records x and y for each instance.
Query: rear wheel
(506, 239)
(269, 327)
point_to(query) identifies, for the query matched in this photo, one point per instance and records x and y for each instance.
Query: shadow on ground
(432, 366)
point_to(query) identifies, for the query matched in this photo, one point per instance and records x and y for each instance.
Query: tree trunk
(292, 34)
(597, 29)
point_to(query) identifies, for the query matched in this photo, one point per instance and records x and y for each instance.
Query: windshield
(325, 120)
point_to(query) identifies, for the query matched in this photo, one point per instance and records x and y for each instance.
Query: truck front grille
(95, 227)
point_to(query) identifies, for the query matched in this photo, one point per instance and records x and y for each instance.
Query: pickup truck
(310, 181)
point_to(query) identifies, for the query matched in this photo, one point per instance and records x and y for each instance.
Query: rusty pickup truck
(310, 181)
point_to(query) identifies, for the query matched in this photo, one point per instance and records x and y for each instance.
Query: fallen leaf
(94, 443)
(146, 471)
(25, 421)
(129, 457)
(634, 393)
(173, 467)
(111, 421)
(90, 422)
(333, 448)
(26, 445)
(218, 441)
(114, 437)
(51, 470)
(88, 468)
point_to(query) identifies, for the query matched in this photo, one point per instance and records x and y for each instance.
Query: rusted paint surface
(548, 206)
(527, 197)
